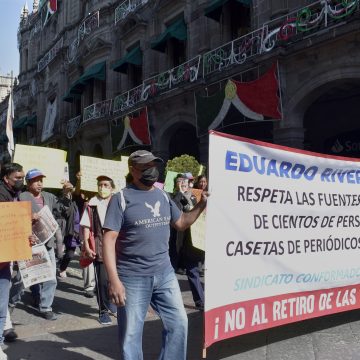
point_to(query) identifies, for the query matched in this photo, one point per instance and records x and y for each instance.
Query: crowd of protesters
(126, 265)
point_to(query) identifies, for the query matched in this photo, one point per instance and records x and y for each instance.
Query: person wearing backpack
(136, 257)
(91, 222)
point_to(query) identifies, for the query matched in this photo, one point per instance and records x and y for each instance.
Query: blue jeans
(4, 297)
(163, 293)
(48, 288)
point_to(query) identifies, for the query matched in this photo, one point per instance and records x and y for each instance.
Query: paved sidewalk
(78, 335)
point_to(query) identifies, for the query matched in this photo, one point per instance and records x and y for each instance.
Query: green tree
(182, 164)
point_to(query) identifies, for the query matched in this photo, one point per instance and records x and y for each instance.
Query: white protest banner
(38, 269)
(284, 225)
(51, 162)
(92, 167)
(45, 226)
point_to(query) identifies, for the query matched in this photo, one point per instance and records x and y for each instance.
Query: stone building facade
(87, 66)
(6, 82)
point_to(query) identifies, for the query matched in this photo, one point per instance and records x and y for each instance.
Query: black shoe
(10, 335)
(49, 315)
(89, 293)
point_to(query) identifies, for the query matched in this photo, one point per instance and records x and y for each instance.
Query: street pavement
(78, 335)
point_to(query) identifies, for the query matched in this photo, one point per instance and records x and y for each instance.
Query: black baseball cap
(143, 157)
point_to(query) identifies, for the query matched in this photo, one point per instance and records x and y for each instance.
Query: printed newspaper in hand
(38, 269)
(45, 227)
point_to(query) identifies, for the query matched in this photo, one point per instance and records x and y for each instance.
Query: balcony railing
(72, 126)
(185, 73)
(129, 99)
(286, 29)
(235, 52)
(86, 27)
(127, 7)
(97, 110)
(50, 55)
(306, 21)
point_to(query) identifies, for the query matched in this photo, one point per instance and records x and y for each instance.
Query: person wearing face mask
(12, 182)
(71, 215)
(93, 220)
(136, 257)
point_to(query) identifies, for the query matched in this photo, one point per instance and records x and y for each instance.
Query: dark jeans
(68, 256)
(4, 297)
(102, 295)
(193, 275)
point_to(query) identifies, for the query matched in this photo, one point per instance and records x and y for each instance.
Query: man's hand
(35, 217)
(117, 292)
(204, 197)
(32, 240)
(89, 253)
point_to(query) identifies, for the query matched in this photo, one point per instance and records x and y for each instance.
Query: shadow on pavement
(101, 343)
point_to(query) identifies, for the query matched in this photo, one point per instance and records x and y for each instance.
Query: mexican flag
(131, 130)
(256, 100)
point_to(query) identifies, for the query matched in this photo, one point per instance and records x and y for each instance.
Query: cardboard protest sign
(284, 225)
(92, 167)
(15, 229)
(52, 163)
(198, 229)
(169, 181)
(201, 169)
(197, 193)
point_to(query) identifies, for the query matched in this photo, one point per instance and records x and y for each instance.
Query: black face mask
(149, 176)
(18, 185)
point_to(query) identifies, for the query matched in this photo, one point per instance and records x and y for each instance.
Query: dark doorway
(184, 141)
(98, 151)
(332, 122)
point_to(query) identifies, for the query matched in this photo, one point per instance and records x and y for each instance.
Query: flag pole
(10, 120)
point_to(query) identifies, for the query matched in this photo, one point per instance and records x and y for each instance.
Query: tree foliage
(182, 164)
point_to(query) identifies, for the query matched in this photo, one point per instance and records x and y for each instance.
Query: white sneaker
(3, 356)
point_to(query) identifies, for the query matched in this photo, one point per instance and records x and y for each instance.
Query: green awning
(177, 30)
(20, 123)
(133, 57)
(70, 96)
(214, 9)
(31, 120)
(97, 71)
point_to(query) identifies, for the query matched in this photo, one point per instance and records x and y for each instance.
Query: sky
(9, 23)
